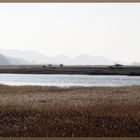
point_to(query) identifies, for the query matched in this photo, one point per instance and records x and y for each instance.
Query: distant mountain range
(18, 57)
(4, 60)
(136, 64)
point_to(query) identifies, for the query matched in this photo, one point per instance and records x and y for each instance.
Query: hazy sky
(109, 30)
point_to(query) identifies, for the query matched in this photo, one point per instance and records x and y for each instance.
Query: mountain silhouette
(35, 57)
(4, 60)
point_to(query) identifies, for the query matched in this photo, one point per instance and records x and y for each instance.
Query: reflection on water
(68, 80)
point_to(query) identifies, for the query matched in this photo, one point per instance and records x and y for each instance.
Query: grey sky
(109, 30)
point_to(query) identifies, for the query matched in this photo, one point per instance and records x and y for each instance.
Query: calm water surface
(68, 80)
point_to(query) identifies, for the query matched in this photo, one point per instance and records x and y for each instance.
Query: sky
(98, 29)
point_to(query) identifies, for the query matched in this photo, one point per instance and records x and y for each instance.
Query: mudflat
(42, 111)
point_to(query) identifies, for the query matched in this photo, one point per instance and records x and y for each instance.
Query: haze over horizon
(18, 57)
(106, 30)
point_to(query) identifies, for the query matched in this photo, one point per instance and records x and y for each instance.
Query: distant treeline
(61, 69)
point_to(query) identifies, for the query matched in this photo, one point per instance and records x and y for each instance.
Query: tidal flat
(47, 111)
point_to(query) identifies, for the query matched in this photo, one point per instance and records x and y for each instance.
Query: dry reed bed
(74, 111)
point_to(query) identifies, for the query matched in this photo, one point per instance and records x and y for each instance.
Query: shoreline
(70, 86)
(83, 70)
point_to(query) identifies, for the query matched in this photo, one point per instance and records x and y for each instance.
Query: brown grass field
(41, 111)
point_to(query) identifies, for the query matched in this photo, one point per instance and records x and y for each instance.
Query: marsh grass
(28, 111)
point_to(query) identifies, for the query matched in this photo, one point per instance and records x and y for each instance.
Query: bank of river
(86, 70)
